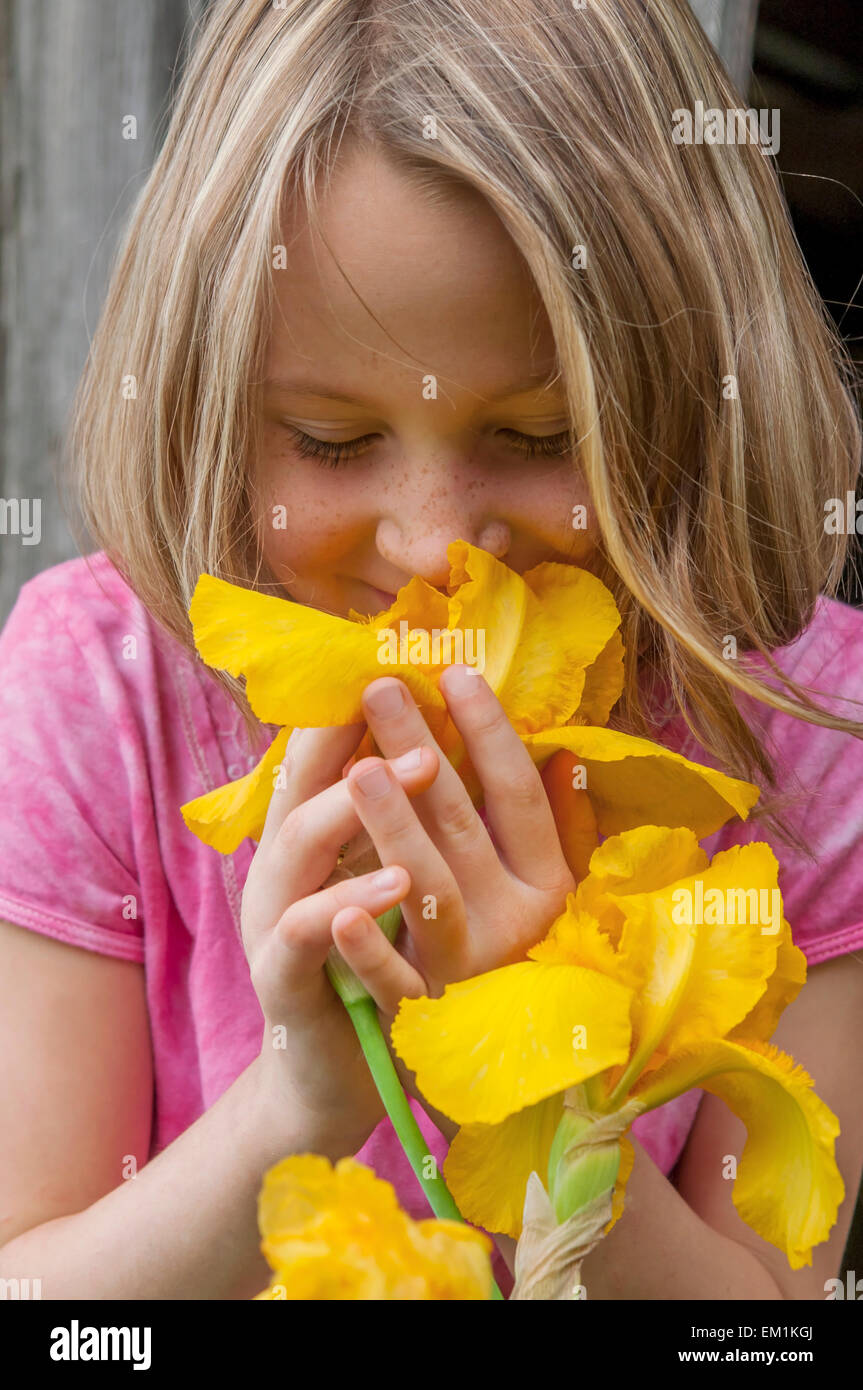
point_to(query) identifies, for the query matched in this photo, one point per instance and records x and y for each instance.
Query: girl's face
(403, 404)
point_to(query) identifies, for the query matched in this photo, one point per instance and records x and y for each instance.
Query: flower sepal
(549, 1253)
(562, 1225)
(585, 1155)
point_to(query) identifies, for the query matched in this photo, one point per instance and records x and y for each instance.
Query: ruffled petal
(339, 1233)
(788, 1188)
(488, 1166)
(493, 1044)
(632, 781)
(575, 938)
(304, 1189)
(603, 683)
(638, 861)
(224, 817)
(302, 667)
(783, 986)
(541, 631)
(696, 974)
(641, 861)
(417, 603)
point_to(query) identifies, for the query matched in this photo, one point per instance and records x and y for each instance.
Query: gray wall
(70, 72)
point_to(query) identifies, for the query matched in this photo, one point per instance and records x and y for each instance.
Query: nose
(416, 542)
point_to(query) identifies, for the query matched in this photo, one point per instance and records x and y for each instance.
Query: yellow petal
(224, 817)
(453, 1259)
(789, 975)
(698, 978)
(638, 861)
(488, 1166)
(627, 1159)
(339, 1233)
(493, 1044)
(541, 631)
(575, 938)
(642, 860)
(300, 1189)
(788, 1188)
(603, 683)
(632, 781)
(318, 1276)
(416, 603)
(302, 667)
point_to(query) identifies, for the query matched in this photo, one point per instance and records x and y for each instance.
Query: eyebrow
(308, 388)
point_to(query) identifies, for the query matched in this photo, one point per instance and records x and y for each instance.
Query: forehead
(404, 282)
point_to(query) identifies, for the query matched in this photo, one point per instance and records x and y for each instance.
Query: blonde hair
(711, 511)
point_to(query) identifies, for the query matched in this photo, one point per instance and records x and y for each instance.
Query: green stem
(364, 1016)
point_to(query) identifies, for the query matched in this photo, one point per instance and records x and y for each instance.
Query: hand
(286, 919)
(471, 906)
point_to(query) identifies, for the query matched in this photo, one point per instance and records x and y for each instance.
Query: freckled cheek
(559, 510)
(308, 523)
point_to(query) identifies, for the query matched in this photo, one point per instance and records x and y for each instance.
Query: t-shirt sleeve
(67, 863)
(823, 896)
(822, 893)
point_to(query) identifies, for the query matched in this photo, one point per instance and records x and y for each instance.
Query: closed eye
(331, 453)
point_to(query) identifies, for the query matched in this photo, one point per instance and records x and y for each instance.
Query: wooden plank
(72, 70)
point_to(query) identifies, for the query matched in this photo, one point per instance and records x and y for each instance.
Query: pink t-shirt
(107, 726)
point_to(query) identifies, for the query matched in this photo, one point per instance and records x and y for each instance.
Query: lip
(384, 599)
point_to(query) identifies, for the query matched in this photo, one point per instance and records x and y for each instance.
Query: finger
(303, 935)
(572, 810)
(445, 809)
(366, 750)
(314, 759)
(377, 964)
(302, 852)
(387, 814)
(515, 800)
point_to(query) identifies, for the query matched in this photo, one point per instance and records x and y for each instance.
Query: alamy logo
(852, 1288)
(76, 1343)
(735, 126)
(21, 516)
(437, 646)
(717, 907)
(20, 1288)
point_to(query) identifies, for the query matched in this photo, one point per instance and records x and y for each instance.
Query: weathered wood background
(70, 71)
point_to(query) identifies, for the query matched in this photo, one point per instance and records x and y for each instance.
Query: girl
(404, 273)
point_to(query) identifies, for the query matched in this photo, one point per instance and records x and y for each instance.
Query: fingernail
(387, 878)
(374, 783)
(386, 701)
(463, 680)
(408, 762)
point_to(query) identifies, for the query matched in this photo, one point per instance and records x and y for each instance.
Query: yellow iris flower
(339, 1233)
(551, 652)
(648, 984)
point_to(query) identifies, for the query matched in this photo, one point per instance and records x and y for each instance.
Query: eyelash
(330, 453)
